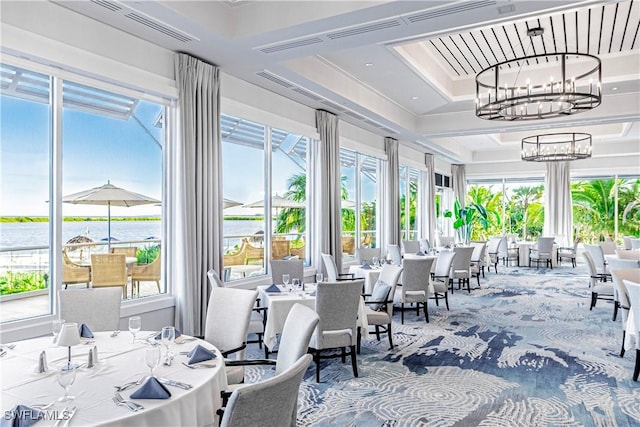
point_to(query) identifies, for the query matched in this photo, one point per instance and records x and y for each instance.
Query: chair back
(628, 254)
(272, 402)
(443, 264)
(410, 246)
(633, 289)
(415, 275)
(622, 264)
(367, 254)
(330, 266)
(593, 271)
(425, 246)
(635, 243)
(108, 270)
(447, 240)
(74, 273)
(626, 242)
(462, 261)
(127, 251)
(214, 279)
(621, 293)
(608, 247)
(294, 342)
(228, 316)
(390, 275)
(98, 308)
(293, 267)
(337, 306)
(545, 246)
(596, 255)
(479, 248)
(394, 251)
(494, 246)
(280, 248)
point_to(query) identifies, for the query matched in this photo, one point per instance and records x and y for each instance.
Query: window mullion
(55, 190)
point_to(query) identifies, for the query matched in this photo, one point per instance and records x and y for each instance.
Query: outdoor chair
(569, 253)
(99, 308)
(146, 273)
(600, 289)
(410, 246)
(493, 249)
(280, 249)
(73, 273)
(461, 267)
(272, 402)
(367, 254)
(227, 325)
(633, 289)
(293, 267)
(394, 251)
(109, 270)
(337, 306)
(478, 259)
(348, 245)
(332, 270)
(542, 252)
(131, 252)
(415, 285)
(379, 305)
(440, 277)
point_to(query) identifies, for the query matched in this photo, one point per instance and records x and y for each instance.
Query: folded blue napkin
(85, 332)
(159, 334)
(200, 354)
(366, 266)
(21, 416)
(151, 389)
(312, 294)
(420, 253)
(273, 288)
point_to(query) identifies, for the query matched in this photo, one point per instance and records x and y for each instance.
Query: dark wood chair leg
(378, 332)
(354, 365)
(446, 300)
(316, 359)
(359, 340)
(390, 335)
(636, 370)
(402, 313)
(594, 298)
(615, 311)
(426, 312)
(622, 346)
(343, 354)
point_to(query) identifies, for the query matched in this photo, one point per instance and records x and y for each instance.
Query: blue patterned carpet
(524, 350)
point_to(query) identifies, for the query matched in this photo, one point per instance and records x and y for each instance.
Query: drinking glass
(296, 284)
(374, 261)
(135, 324)
(56, 327)
(66, 375)
(168, 336)
(319, 277)
(152, 357)
(285, 279)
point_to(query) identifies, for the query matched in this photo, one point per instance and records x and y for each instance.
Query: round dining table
(119, 361)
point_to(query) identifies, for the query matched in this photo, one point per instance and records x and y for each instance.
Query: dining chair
(461, 267)
(147, 273)
(608, 247)
(73, 273)
(633, 289)
(569, 253)
(367, 254)
(493, 249)
(337, 306)
(394, 251)
(600, 289)
(109, 270)
(332, 270)
(598, 259)
(415, 285)
(379, 305)
(542, 252)
(478, 259)
(622, 295)
(626, 243)
(99, 308)
(447, 241)
(440, 277)
(227, 325)
(293, 267)
(410, 246)
(271, 402)
(630, 254)
(425, 246)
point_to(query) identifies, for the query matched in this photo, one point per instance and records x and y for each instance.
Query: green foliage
(16, 282)
(148, 254)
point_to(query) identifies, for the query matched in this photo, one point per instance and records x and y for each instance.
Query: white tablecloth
(630, 337)
(120, 361)
(370, 276)
(279, 304)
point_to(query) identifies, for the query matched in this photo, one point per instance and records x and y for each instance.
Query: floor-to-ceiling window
(53, 156)
(409, 178)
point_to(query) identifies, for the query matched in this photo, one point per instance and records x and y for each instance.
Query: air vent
(307, 94)
(354, 115)
(157, 26)
(452, 10)
(364, 29)
(333, 106)
(290, 45)
(275, 79)
(107, 4)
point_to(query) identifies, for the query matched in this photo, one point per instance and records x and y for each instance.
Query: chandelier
(555, 147)
(539, 86)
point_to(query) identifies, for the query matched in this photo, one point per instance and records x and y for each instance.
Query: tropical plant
(465, 219)
(148, 254)
(526, 201)
(489, 209)
(12, 282)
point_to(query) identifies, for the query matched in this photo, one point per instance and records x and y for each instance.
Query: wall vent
(451, 10)
(364, 29)
(275, 79)
(290, 45)
(307, 94)
(157, 26)
(107, 4)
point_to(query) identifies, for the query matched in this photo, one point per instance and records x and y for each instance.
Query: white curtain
(459, 183)
(392, 194)
(195, 192)
(431, 198)
(327, 231)
(558, 216)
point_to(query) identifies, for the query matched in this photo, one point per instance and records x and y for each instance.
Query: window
(106, 135)
(409, 178)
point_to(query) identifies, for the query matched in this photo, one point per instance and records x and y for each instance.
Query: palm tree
(528, 198)
(488, 208)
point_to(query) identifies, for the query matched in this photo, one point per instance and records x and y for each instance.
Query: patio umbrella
(228, 203)
(79, 239)
(109, 195)
(277, 202)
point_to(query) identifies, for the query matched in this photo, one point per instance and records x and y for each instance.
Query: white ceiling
(404, 69)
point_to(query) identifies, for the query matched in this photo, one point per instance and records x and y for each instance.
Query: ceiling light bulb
(368, 64)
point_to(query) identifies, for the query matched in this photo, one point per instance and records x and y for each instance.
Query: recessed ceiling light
(614, 88)
(368, 64)
(414, 97)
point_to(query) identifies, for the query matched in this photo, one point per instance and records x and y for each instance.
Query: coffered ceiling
(404, 69)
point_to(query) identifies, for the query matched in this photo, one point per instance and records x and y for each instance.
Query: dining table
(119, 361)
(280, 303)
(371, 273)
(523, 251)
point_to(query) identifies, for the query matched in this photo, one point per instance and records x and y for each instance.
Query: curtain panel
(196, 191)
(391, 202)
(431, 198)
(327, 203)
(558, 216)
(459, 183)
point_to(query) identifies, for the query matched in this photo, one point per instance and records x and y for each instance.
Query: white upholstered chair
(569, 253)
(598, 259)
(494, 247)
(440, 277)
(478, 259)
(461, 267)
(394, 251)
(293, 267)
(367, 254)
(410, 246)
(99, 308)
(542, 252)
(425, 246)
(600, 289)
(447, 241)
(633, 288)
(333, 275)
(622, 295)
(415, 285)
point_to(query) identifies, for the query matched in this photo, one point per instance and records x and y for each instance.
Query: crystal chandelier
(555, 147)
(539, 86)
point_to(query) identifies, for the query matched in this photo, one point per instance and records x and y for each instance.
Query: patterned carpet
(524, 350)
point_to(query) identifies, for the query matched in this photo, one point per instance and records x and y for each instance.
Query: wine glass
(56, 327)
(285, 280)
(152, 357)
(135, 324)
(374, 261)
(66, 375)
(319, 277)
(168, 336)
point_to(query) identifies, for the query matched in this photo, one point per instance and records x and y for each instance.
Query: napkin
(420, 253)
(312, 294)
(21, 416)
(85, 332)
(151, 389)
(273, 288)
(159, 334)
(366, 266)
(200, 354)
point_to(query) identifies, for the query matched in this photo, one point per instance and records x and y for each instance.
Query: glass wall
(108, 138)
(409, 178)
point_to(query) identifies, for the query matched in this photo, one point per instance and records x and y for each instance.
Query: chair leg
(624, 335)
(594, 298)
(266, 352)
(354, 365)
(426, 312)
(636, 370)
(482, 273)
(468, 280)
(359, 340)
(402, 313)
(615, 311)
(436, 298)
(316, 360)
(446, 300)
(378, 332)
(343, 354)
(390, 335)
